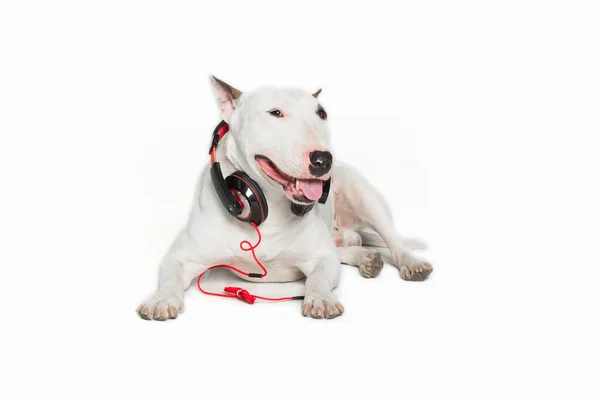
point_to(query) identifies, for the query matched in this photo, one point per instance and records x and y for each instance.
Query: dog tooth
(297, 184)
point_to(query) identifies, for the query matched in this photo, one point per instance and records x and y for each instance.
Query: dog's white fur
(312, 246)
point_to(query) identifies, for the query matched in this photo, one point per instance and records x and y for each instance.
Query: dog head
(281, 139)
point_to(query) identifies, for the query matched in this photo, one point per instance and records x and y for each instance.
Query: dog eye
(322, 114)
(276, 113)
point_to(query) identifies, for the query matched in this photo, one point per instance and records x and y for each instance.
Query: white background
(478, 121)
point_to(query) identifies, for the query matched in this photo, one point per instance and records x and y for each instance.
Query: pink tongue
(312, 188)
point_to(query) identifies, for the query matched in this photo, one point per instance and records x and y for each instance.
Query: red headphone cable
(240, 293)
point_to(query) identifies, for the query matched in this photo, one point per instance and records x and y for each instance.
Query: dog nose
(320, 162)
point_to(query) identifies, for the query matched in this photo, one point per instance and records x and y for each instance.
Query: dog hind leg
(346, 237)
(359, 205)
(375, 240)
(368, 261)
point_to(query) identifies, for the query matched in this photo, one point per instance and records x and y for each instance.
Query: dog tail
(374, 240)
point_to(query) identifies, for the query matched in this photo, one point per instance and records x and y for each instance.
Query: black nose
(320, 162)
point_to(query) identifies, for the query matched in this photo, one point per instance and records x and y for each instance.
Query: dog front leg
(322, 276)
(176, 271)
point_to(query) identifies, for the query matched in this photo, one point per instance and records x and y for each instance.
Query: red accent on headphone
(237, 197)
(213, 152)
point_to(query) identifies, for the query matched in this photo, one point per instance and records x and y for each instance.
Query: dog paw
(160, 307)
(318, 306)
(415, 270)
(371, 264)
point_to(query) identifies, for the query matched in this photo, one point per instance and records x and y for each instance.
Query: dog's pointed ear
(227, 97)
(317, 93)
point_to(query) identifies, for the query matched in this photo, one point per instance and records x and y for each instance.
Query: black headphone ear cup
(251, 196)
(326, 188)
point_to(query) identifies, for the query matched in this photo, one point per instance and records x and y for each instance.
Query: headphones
(240, 195)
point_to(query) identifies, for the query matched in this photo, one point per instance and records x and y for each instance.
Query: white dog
(280, 139)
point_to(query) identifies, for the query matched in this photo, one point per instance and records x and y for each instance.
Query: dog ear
(317, 93)
(226, 97)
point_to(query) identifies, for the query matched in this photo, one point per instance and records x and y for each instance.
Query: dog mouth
(305, 191)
